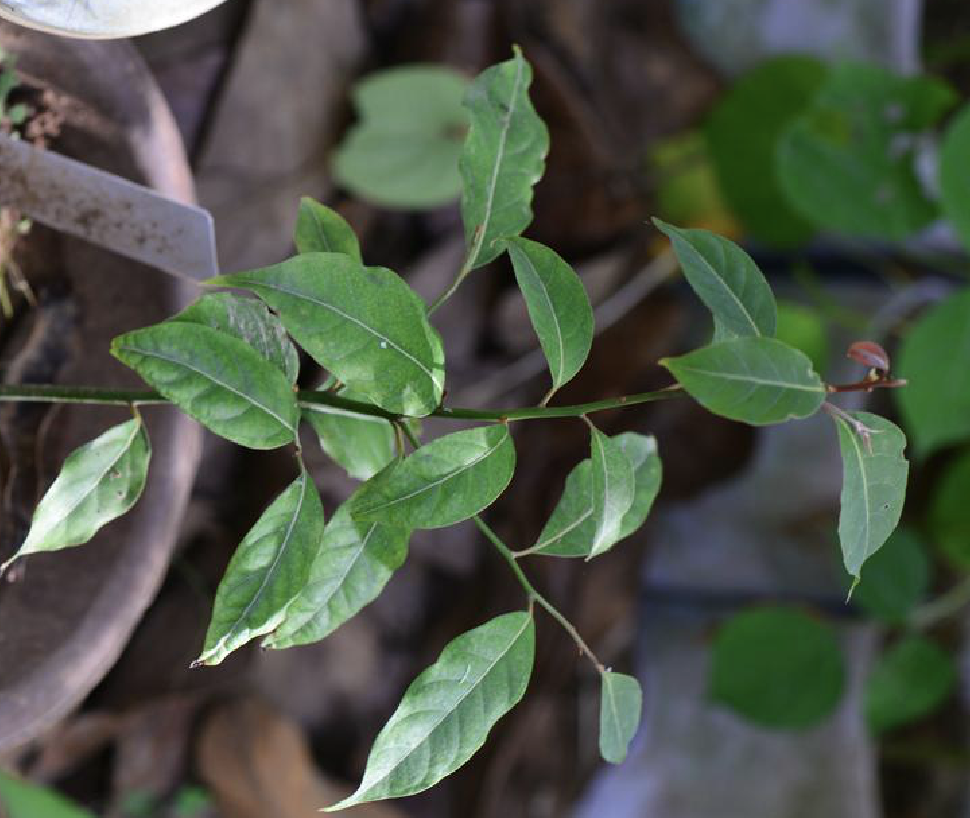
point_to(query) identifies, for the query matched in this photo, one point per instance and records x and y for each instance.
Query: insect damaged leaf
(503, 158)
(874, 474)
(363, 324)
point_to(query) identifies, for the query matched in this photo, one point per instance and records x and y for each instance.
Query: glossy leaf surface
(503, 157)
(363, 445)
(319, 229)
(353, 563)
(446, 481)
(873, 487)
(755, 380)
(558, 306)
(448, 711)
(363, 324)
(98, 483)
(570, 529)
(612, 480)
(727, 280)
(248, 320)
(267, 572)
(216, 378)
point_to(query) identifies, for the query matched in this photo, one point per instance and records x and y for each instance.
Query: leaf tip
(856, 579)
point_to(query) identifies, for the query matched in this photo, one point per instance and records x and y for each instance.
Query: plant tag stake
(106, 210)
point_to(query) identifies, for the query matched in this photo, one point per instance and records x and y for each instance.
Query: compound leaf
(248, 320)
(932, 358)
(363, 324)
(216, 378)
(322, 230)
(558, 306)
(874, 475)
(98, 483)
(727, 280)
(621, 704)
(404, 150)
(267, 572)
(448, 711)
(755, 380)
(909, 681)
(503, 158)
(758, 668)
(354, 562)
(570, 529)
(442, 483)
(361, 444)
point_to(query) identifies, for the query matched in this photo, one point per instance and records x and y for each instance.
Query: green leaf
(755, 380)
(447, 481)
(447, 712)
(611, 476)
(621, 705)
(216, 378)
(954, 169)
(803, 328)
(268, 571)
(949, 514)
(354, 562)
(558, 306)
(404, 151)
(932, 358)
(848, 163)
(909, 681)
(687, 189)
(363, 324)
(362, 445)
(771, 95)
(571, 528)
(322, 230)
(873, 487)
(18, 799)
(726, 279)
(504, 156)
(98, 483)
(777, 667)
(896, 579)
(248, 320)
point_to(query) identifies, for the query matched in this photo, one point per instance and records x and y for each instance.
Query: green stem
(309, 398)
(534, 595)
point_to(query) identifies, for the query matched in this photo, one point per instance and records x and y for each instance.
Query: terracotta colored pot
(68, 616)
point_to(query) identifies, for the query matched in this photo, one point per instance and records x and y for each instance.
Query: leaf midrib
(111, 465)
(558, 376)
(724, 285)
(499, 157)
(429, 486)
(284, 544)
(446, 713)
(208, 376)
(751, 379)
(865, 485)
(307, 297)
